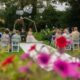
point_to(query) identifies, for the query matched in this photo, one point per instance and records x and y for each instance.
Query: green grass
(37, 73)
(12, 74)
(11, 70)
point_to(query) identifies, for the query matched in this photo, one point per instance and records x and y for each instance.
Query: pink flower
(61, 50)
(69, 41)
(61, 67)
(43, 59)
(23, 69)
(65, 69)
(24, 56)
(76, 64)
(29, 64)
(74, 70)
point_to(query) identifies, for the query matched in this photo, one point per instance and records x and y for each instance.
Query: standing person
(30, 37)
(23, 35)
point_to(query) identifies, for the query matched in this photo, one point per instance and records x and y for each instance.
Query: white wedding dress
(30, 38)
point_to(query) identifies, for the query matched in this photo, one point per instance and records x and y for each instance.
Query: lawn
(10, 72)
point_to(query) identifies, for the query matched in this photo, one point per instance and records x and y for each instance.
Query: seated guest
(13, 32)
(75, 34)
(16, 37)
(5, 40)
(58, 33)
(30, 37)
(66, 33)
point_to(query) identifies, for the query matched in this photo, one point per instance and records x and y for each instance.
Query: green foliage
(50, 15)
(38, 36)
(62, 19)
(74, 13)
(10, 16)
(73, 16)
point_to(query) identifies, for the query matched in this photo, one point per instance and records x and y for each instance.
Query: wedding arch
(28, 20)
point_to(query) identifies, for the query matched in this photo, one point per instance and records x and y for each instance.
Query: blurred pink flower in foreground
(29, 64)
(69, 41)
(24, 56)
(25, 68)
(65, 69)
(43, 59)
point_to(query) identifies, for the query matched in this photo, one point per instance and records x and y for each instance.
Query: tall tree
(73, 16)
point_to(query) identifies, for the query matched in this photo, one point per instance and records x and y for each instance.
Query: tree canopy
(50, 16)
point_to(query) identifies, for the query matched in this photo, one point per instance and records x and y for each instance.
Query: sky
(58, 6)
(2, 6)
(61, 7)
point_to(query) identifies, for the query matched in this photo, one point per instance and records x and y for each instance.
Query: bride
(30, 37)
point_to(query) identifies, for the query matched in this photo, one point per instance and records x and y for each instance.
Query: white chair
(68, 47)
(15, 47)
(5, 47)
(75, 44)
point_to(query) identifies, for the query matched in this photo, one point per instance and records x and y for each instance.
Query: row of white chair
(13, 47)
